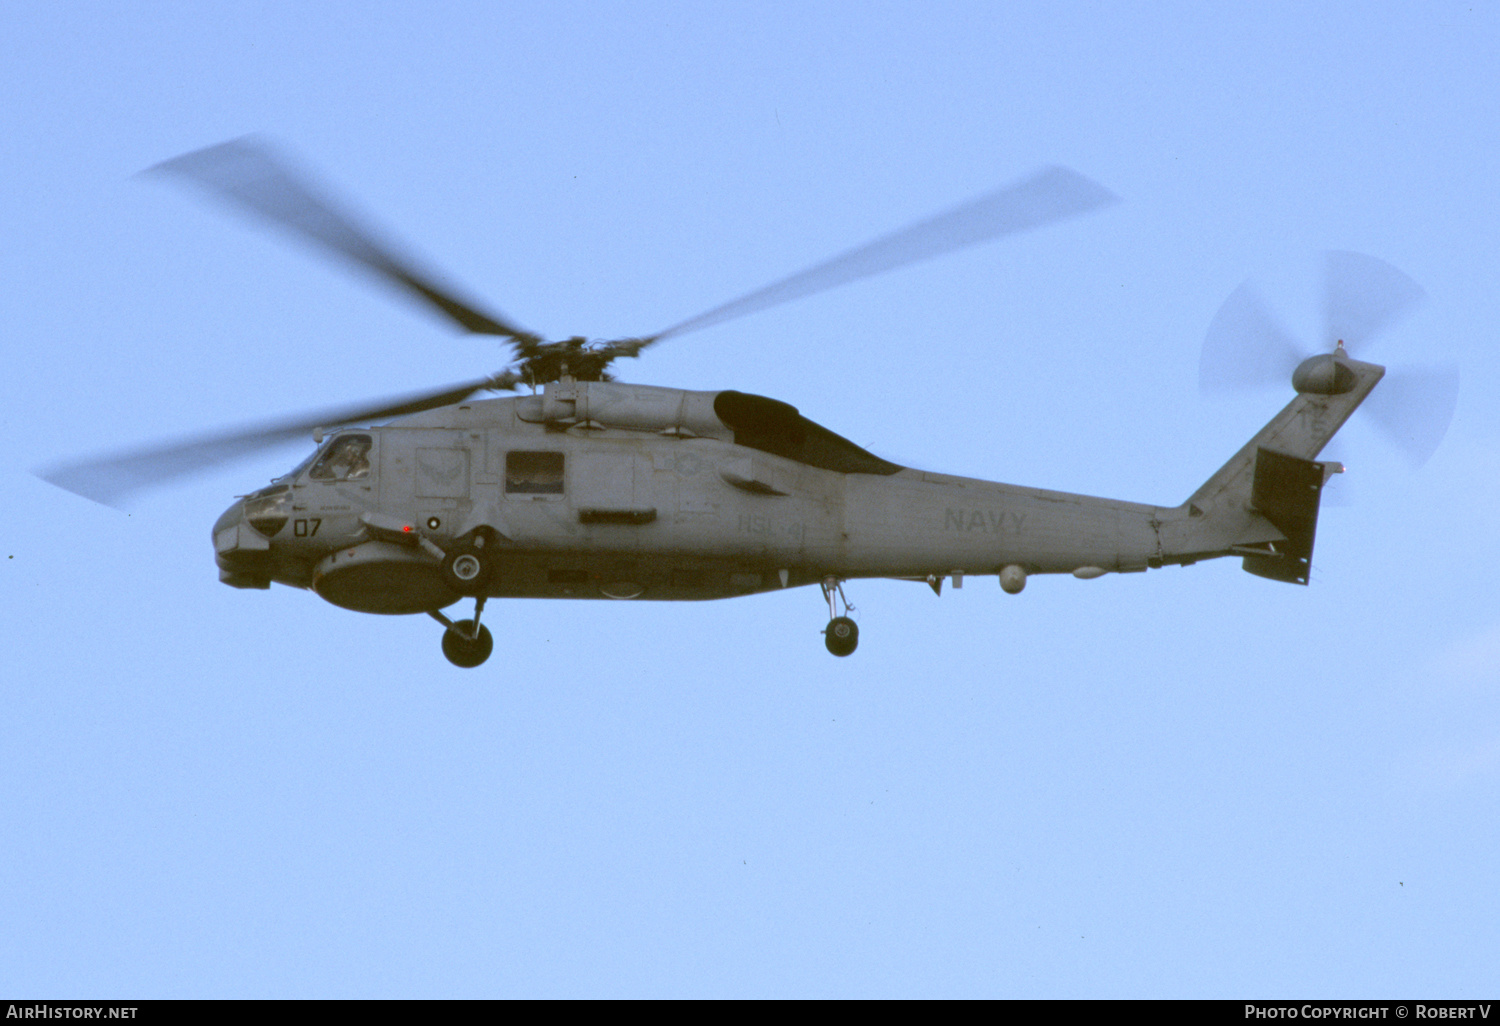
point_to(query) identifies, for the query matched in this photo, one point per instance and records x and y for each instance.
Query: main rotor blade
(1246, 346)
(1052, 195)
(244, 173)
(111, 478)
(1362, 297)
(1413, 407)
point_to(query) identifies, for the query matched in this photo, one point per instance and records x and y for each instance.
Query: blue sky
(1191, 782)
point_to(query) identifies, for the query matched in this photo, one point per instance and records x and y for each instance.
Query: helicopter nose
(242, 553)
(229, 518)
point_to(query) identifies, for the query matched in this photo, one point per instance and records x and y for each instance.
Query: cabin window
(534, 473)
(347, 458)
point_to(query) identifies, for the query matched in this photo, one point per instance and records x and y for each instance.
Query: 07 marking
(301, 530)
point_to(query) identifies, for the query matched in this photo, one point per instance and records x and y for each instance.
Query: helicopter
(586, 487)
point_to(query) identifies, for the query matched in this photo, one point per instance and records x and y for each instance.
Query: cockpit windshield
(347, 458)
(297, 471)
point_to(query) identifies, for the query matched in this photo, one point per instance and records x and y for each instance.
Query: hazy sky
(1191, 782)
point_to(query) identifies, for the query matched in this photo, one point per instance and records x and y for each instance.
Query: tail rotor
(1247, 347)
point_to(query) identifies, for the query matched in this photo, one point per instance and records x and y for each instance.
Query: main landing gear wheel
(466, 643)
(841, 636)
(466, 648)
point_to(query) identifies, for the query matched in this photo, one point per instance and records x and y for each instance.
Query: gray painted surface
(657, 500)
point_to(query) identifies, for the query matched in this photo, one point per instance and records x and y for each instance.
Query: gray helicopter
(592, 488)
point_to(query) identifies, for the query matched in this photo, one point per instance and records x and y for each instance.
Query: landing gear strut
(466, 643)
(841, 636)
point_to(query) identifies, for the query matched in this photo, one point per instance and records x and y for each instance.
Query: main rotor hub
(576, 358)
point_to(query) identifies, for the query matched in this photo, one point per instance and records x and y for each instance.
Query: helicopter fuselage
(604, 490)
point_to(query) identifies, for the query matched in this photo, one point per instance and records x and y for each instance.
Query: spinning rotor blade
(1362, 297)
(244, 173)
(1246, 346)
(1054, 194)
(1413, 407)
(109, 479)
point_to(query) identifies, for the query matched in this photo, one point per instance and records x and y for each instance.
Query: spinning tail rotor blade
(247, 175)
(112, 478)
(1246, 346)
(1052, 195)
(1413, 407)
(1362, 297)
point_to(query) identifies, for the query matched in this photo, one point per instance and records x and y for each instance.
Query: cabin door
(424, 472)
(610, 485)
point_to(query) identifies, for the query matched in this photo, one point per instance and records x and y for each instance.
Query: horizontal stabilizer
(1286, 491)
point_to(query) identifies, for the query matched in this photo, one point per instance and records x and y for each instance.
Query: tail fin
(1263, 503)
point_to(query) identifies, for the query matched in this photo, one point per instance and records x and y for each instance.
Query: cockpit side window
(347, 458)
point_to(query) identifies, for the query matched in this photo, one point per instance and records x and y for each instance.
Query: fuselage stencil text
(985, 521)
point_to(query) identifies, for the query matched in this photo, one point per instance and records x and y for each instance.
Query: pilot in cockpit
(347, 459)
